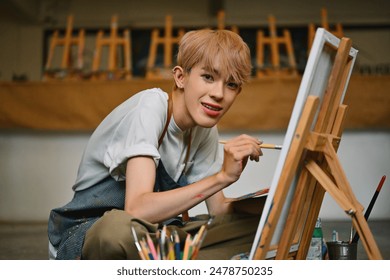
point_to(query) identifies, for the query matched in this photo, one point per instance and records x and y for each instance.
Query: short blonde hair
(205, 46)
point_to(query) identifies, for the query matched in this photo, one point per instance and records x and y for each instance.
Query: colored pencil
(199, 237)
(137, 244)
(171, 247)
(187, 246)
(151, 246)
(168, 245)
(145, 250)
(162, 243)
(177, 245)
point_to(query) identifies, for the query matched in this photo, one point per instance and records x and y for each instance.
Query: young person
(157, 155)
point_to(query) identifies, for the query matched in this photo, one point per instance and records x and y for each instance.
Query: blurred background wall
(38, 168)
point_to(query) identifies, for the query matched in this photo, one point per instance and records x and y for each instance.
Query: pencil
(198, 242)
(146, 250)
(263, 145)
(141, 254)
(200, 236)
(162, 243)
(177, 244)
(158, 233)
(370, 206)
(151, 246)
(187, 246)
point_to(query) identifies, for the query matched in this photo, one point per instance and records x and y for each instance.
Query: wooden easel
(66, 69)
(221, 22)
(273, 42)
(337, 31)
(314, 149)
(113, 42)
(167, 41)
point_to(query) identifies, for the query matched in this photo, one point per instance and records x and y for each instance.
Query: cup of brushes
(167, 246)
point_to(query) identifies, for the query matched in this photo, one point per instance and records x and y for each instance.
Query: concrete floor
(28, 241)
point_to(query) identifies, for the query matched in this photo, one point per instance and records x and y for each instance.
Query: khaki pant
(111, 236)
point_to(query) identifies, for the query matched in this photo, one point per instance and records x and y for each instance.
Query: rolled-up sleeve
(136, 135)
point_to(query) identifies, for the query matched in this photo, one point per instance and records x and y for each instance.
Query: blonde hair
(207, 47)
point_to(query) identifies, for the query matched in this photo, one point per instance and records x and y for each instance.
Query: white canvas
(314, 82)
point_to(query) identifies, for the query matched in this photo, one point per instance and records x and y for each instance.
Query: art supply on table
(176, 239)
(316, 245)
(342, 250)
(138, 245)
(241, 257)
(355, 238)
(263, 146)
(187, 245)
(151, 246)
(168, 246)
(199, 237)
(146, 250)
(162, 242)
(259, 193)
(335, 236)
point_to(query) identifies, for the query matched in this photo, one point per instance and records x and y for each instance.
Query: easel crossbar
(342, 193)
(330, 187)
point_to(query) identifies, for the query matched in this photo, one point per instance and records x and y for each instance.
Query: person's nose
(217, 90)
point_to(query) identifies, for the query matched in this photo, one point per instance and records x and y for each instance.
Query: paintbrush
(263, 145)
(370, 206)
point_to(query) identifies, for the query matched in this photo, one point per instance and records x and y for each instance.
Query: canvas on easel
(308, 164)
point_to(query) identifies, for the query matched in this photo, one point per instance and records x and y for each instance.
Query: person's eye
(233, 86)
(208, 77)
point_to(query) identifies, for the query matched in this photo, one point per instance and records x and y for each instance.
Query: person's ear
(178, 76)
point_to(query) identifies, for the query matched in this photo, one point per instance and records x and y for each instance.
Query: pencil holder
(342, 250)
(168, 246)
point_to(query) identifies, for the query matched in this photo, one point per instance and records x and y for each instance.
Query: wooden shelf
(265, 104)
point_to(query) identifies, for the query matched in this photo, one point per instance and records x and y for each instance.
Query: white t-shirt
(133, 129)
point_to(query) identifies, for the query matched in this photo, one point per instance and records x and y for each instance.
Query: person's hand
(237, 151)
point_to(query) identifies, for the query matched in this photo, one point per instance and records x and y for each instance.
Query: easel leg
(294, 219)
(286, 178)
(359, 222)
(315, 196)
(342, 195)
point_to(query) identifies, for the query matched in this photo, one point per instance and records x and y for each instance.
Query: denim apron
(68, 225)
